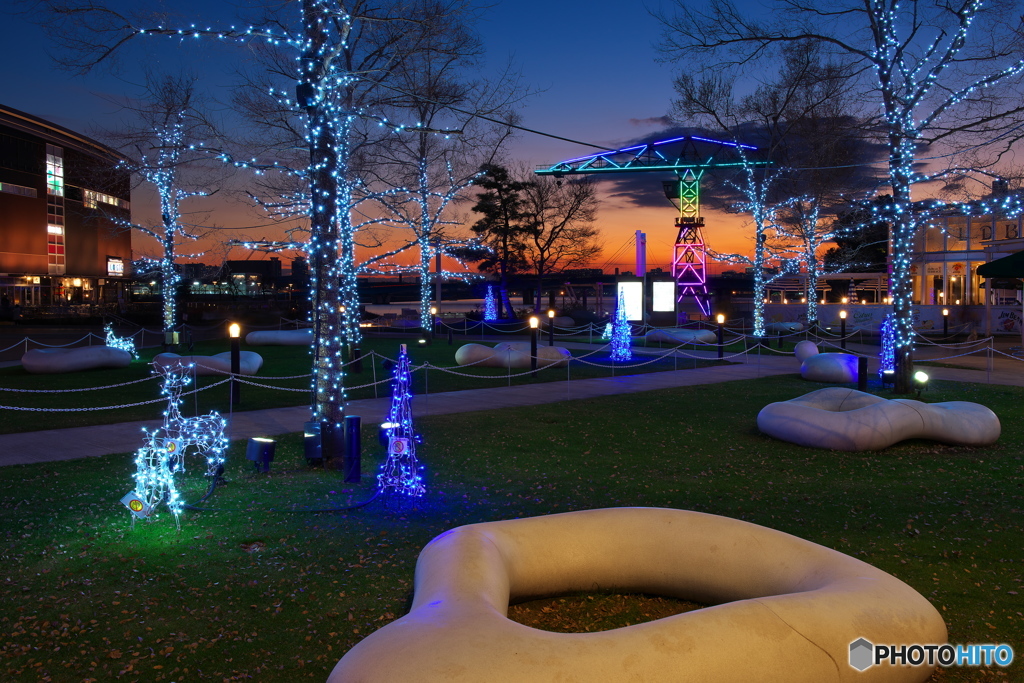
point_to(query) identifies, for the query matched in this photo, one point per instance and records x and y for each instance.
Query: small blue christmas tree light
(490, 307)
(622, 334)
(887, 356)
(401, 470)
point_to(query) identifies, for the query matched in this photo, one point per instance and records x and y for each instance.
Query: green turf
(279, 361)
(274, 596)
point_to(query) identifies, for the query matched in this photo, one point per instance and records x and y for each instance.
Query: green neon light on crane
(689, 194)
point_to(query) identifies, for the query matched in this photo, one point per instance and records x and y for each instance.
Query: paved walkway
(80, 442)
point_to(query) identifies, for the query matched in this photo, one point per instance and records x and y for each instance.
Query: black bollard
(862, 373)
(353, 449)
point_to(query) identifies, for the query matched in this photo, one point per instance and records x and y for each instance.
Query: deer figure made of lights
(163, 455)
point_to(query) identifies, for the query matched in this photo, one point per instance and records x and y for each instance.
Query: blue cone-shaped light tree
(490, 307)
(622, 335)
(401, 470)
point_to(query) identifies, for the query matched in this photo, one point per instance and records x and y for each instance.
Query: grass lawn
(279, 361)
(252, 591)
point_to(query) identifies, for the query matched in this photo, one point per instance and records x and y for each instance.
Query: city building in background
(61, 194)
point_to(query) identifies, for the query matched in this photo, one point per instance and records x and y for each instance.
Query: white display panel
(663, 296)
(633, 297)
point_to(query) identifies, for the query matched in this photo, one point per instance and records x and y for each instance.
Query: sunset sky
(593, 62)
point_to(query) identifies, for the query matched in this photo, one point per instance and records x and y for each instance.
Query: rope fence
(686, 350)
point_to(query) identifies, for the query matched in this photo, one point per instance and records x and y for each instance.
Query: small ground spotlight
(261, 451)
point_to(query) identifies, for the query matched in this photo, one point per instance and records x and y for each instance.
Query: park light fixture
(235, 388)
(260, 450)
(551, 327)
(534, 322)
(433, 310)
(845, 300)
(921, 380)
(842, 329)
(721, 335)
(551, 313)
(842, 315)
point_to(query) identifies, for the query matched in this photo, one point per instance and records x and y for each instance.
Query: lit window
(93, 198)
(18, 189)
(54, 171)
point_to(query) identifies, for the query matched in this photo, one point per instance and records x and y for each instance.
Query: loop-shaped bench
(786, 610)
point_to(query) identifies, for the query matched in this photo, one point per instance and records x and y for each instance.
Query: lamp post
(945, 322)
(551, 327)
(721, 336)
(235, 332)
(433, 321)
(842, 329)
(534, 322)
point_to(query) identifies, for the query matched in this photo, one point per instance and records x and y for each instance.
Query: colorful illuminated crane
(695, 155)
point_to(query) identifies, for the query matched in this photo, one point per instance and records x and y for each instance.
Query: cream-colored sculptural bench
(50, 361)
(249, 363)
(512, 355)
(848, 420)
(303, 337)
(786, 609)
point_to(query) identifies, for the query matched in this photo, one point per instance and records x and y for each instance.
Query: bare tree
(804, 122)
(438, 89)
(164, 144)
(559, 231)
(934, 71)
(343, 53)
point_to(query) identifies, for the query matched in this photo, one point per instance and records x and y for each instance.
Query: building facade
(63, 199)
(947, 255)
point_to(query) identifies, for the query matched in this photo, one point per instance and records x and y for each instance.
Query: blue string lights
(400, 472)
(622, 334)
(163, 456)
(887, 355)
(116, 342)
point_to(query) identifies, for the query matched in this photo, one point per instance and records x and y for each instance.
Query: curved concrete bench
(848, 420)
(682, 336)
(511, 355)
(280, 338)
(805, 349)
(219, 364)
(839, 368)
(51, 361)
(787, 609)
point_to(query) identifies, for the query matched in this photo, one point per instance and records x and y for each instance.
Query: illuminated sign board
(632, 294)
(663, 296)
(115, 266)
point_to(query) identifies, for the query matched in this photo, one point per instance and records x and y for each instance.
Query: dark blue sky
(593, 61)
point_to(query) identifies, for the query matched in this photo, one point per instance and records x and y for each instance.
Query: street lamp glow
(234, 330)
(534, 322)
(720, 318)
(551, 313)
(842, 314)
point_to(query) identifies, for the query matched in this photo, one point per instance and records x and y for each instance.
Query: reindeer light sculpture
(163, 455)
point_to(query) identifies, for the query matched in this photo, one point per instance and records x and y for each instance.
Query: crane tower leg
(689, 259)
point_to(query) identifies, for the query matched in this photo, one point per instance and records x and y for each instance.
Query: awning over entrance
(1008, 266)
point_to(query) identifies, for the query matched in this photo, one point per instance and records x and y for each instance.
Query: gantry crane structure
(688, 156)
